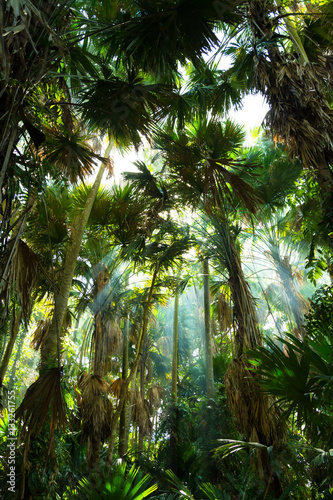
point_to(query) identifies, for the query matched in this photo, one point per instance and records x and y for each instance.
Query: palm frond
(295, 375)
(25, 275)
(71, 154)
(224, 313)
(178, 487)
(96, 407)
(124, 109)
(40, 334)
(155, 395)
(165, 32)
(43, 398)
(121, 485)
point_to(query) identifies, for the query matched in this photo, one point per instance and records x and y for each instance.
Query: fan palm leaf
(202, 161)
(162, 33)
(70, 154)
(121, 485)
(124, 108)
(299, 378)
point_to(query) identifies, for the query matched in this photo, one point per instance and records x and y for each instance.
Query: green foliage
(118, 484)
(119, 67)
(212, 492)
(300, 376)
(319, 321)
(301, 380)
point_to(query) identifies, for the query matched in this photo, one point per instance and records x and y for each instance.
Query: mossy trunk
(142, 394)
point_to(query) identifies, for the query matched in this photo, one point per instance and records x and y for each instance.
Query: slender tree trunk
(51, 351)
(10, 345)
(12, 374)
(123, 436)
(174, 396)
(142, 394)
(175, 350)
(208, 338)
(100, 278)
(129, 407)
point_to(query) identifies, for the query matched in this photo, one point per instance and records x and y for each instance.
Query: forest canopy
(169, 334)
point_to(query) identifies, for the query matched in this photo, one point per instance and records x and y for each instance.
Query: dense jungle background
(166, 333)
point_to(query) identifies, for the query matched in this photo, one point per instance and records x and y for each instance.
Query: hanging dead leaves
(300, 115)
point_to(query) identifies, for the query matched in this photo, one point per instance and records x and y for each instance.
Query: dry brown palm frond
(107, 343)
(96, 407)
(114, 337)
(40, 334)
(141, 413)
(224, 313)
(146, 423)
(110, 167)
(299, 117)
(116, 387)
(247, 332)
(43, 398)
(303, 303)
(155, 395)
(254, 411)
(25, 275)
(137, 406)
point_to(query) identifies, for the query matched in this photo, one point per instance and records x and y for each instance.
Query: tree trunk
(175, 351)
(10, 345)
(142, 394)
(123, 435)
(12, 373)
(208, 338)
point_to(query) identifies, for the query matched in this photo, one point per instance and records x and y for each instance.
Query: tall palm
(208, 337)
(164, 251)
(201, 165)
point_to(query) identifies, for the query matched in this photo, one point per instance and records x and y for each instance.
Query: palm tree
(51, 352)
(200, 165)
